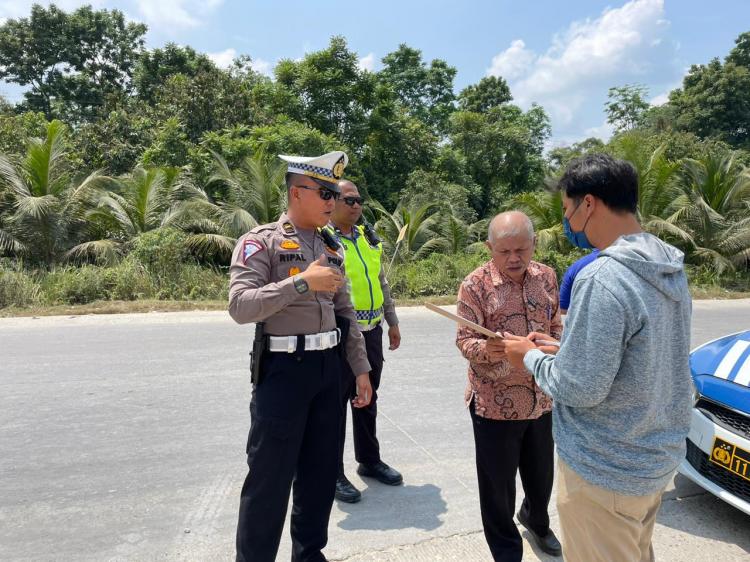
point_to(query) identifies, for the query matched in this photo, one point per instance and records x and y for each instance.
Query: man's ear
(489, 246)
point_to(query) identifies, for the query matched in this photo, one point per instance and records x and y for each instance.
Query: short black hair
(612, 180)
(289, 179)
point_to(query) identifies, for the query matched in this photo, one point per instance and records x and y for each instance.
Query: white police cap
(328, 168)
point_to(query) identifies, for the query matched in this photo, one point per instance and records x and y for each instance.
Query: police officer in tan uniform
(289, 276)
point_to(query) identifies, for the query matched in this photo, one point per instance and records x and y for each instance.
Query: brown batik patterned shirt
(493, 300)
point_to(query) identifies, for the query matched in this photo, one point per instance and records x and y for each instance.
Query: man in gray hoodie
(620, 381)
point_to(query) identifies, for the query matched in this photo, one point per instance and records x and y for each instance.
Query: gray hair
(509, 224)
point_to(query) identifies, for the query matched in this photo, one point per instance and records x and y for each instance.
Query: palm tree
(257, 195)
(712, 207)
(544, 208)
(47, 206)
(457, 235)
(657, 192)
(145, 200)
(422, 236)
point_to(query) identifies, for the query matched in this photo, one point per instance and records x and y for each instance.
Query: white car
(718, 445)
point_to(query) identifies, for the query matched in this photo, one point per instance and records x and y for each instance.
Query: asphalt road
(122, 438)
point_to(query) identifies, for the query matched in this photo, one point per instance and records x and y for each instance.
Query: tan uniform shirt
(389, 307)
(261, 288)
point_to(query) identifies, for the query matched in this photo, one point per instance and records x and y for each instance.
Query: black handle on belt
(256, 355)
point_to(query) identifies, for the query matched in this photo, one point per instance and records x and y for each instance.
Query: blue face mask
(578, 239)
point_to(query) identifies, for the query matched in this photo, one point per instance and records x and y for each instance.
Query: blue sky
(563, 55)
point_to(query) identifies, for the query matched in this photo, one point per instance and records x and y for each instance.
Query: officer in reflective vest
(372, 304)
(290, 277)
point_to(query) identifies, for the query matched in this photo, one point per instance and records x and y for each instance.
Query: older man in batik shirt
(510, 413)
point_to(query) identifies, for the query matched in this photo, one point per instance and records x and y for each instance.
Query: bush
(18, 288)
(557, 261)
(438, 274)
(75, 285)
(194, 282)
(164, 255)
(129, 281)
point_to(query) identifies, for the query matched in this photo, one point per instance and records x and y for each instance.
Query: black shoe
(381, 472)
(345, 490)
(547, 543)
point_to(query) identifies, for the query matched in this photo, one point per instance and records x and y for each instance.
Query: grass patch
(148, 282)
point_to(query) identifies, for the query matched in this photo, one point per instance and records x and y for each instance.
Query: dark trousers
(366, 446)
(294, 425)
(502, 448)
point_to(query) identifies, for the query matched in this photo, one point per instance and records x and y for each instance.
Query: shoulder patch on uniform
(250, 248)
(289, 245)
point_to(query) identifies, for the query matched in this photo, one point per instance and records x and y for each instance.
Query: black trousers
(364, 427)
(502, 448)
(294, 425)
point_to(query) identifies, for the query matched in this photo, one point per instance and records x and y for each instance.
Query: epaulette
(263, 228)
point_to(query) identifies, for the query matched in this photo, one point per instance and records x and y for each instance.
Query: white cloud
(224, 58)
(169, 14)
(621, 46)
(603, 131)
(262, 66)
(512, 62)
(661, 99)
(367, 62)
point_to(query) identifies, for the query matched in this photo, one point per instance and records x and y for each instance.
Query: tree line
(113, 140)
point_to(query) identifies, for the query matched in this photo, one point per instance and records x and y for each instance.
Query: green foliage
(128, 280)
(189, 152)
(335, 95)
(438, 274)
(114, 142)
(425, 91)
(491, 91)
(46, 204)
(73, 62)
(425, 187)
(170, 147)
(713, 101)
(17, 287)
(155, 67)
(397, 145)
(626, 106)
(17, 130)
(561, 156)
(162, 252)
(502, 148)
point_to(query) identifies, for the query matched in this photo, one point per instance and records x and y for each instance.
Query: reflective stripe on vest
(362, 264)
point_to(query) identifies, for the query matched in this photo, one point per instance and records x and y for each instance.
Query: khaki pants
(599, 525)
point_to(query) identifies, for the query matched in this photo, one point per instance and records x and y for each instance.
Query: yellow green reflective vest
(362, 266)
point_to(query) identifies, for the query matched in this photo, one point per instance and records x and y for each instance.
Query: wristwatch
(300, 284)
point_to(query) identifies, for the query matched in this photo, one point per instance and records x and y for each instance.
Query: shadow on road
(399, 507)
(692, 510)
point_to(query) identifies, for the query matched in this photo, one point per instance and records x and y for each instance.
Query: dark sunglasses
(325, 194)
(352, 200)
